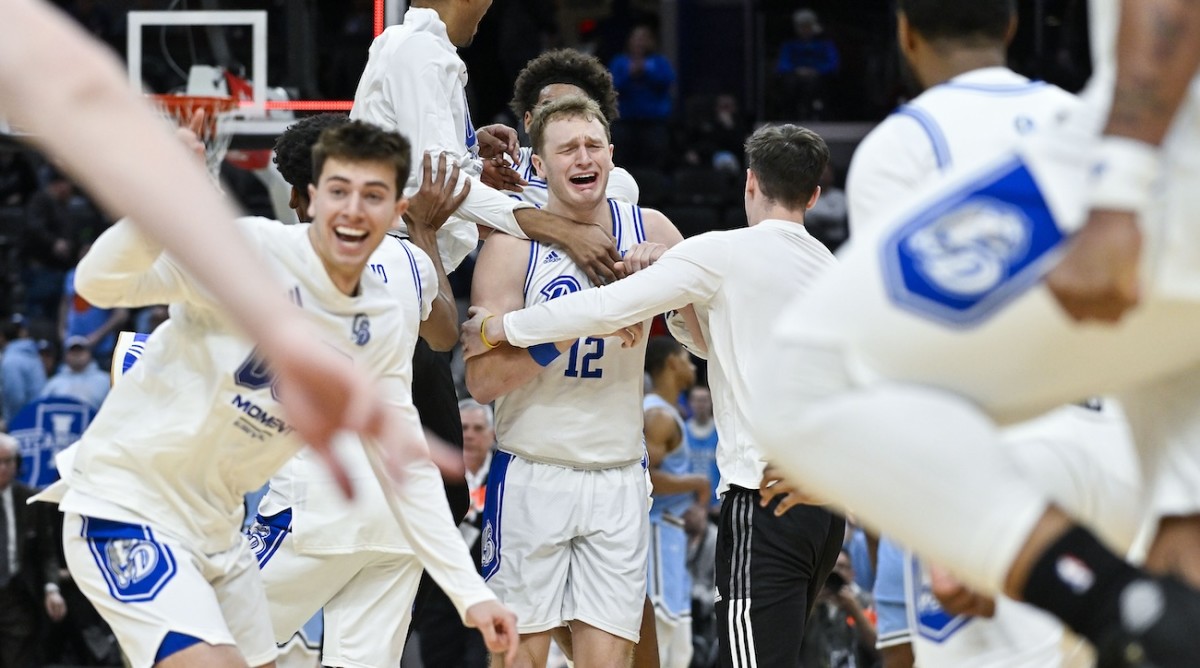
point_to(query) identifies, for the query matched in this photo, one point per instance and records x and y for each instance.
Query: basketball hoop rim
(172, 101)
(214, 131)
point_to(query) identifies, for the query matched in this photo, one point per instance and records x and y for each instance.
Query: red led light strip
(327, 105)
(380, 8)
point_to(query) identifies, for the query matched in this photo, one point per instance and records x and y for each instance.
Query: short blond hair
(567, 106)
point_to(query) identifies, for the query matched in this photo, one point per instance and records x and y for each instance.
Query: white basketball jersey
(1008, 104)
(323, 520)
(621, 185)
(939, 131)
(195, 425)
(584, 409)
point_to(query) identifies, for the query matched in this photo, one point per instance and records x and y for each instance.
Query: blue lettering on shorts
(134, 564)
(931, 620)
(267, 534)
(493, 505)
(961, 259)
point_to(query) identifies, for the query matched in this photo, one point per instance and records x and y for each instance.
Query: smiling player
(196, 424)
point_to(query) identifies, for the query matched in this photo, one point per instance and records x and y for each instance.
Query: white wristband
(1124, 174)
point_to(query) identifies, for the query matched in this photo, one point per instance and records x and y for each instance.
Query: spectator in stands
(56, 219)
(841, 630)
(48, 351)
(702, 438)
(643, 79)
(78, 318)
(805, 65)
(80, 377)
(827, 220)
(479, 440)
(717, 137)
(21, 373)
(28, 565)
(17, 178)
(527, 28)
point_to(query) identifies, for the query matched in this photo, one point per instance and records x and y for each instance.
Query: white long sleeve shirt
(739, 281)
(195, 425)
(414, 84)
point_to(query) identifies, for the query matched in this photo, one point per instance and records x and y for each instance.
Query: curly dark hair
(293, 148)
(564, 66)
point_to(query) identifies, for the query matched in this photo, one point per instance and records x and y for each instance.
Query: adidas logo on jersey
(552, 256)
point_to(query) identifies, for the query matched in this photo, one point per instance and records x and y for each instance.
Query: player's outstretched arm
(414, 492)
(498, 625)
(689, 273)
(499, 175)
(428, 210)
(496, 140)
(591, 246)
(1158, 53)
(498, 287)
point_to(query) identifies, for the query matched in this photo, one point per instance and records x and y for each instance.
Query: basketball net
(216, 132)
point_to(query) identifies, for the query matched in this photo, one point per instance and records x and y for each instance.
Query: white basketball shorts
(367, 596)
(158, 594)
(562, 544)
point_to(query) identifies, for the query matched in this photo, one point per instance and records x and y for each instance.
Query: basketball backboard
(295, 55)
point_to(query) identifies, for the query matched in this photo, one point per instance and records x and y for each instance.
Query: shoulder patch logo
(963, 257)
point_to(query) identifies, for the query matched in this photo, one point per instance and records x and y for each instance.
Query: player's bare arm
(1158, 52)
(663, 437)
(660, 229)
(620, 305)
(428, 210)
(775, 486)
(958, 599)
(499, 175)
(498, 287)
(420, 508)
(661, 234)
(498, 140)
(498, 625)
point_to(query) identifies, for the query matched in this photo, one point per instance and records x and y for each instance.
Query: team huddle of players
(873, 382)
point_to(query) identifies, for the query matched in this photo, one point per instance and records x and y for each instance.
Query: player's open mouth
(349, 234)
(584, 179)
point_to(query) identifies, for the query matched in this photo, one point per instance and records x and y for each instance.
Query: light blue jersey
(677, 462)
(702, 452)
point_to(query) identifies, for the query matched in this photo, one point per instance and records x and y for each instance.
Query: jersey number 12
(577, 368)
